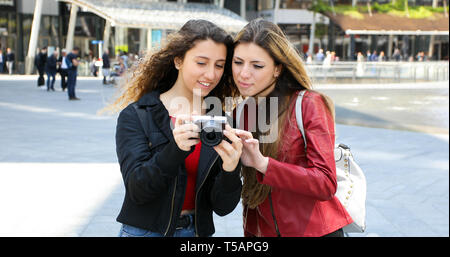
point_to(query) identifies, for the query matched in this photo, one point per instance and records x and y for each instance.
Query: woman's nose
(245, 72)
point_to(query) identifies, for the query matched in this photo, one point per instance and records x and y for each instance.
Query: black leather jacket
(155, 177)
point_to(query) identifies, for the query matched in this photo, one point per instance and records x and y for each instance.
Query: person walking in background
(368, 59)
(40, 61)
(360, 64)
(374, 56)
(106, 66)
(50, 69)
(72, 61)
(10, 60)
(320, 56)
(63, 69)
(2, 62)
(397, 55)
(288, 190)
(381, 57)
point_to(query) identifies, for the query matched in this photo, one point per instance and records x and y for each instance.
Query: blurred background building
(402, 28)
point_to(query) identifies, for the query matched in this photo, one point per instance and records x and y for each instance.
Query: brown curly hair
(157, 71)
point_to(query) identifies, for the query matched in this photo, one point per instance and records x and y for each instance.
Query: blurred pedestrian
(200, 179)
(2, 62)
(106, 66)
(72, 61)
(124, 56)
(40, 61)
(288, 190)
(381, 57)
(327, 61)
(10, 60)
(360, 65)
(63, 69)
(396, 55)
(368, 59)
(374, 56)
(320, 56)
(50, 69)
(309, 59)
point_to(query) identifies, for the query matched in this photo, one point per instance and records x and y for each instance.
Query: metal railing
(380, 71)
(357, 71)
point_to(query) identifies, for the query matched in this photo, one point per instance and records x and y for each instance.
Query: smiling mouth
(205, 84)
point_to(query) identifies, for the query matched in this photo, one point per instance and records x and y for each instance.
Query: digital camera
(212, 128)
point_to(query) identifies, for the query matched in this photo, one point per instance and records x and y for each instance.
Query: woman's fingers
(186, 134)
(243, 134)
(236, 143)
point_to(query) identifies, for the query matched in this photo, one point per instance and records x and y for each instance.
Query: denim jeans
(71, 82)
(52, 83)
(131, 231)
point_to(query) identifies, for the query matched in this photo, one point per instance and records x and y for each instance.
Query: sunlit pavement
(59, 174)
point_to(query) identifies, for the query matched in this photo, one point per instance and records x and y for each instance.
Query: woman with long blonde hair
(287, 191)
(174, 182)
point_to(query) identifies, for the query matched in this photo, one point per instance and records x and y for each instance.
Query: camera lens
(211, 138)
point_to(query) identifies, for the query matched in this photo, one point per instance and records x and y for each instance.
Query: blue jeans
(50, 75)
(130, 231)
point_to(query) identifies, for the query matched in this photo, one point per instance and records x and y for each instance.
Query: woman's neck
(180, 100)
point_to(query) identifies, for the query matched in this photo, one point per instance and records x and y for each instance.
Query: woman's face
(202, 66)
(254, 70)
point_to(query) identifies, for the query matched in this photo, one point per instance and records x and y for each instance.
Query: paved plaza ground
(59, 174)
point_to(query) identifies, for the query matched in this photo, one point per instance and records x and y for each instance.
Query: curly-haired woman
(174, 183)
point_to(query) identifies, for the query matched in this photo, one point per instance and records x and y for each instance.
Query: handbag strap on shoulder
(299, 114)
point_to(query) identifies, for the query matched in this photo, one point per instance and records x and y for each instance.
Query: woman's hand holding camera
(185, 133)
(229, 152)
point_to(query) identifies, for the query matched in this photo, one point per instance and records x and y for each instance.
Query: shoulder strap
(142, 114)
(298, 114)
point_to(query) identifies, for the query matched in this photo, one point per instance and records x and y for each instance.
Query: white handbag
(351, 182)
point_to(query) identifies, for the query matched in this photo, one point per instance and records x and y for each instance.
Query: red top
(191, 163)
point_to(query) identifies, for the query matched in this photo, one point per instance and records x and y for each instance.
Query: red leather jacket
(303, 184)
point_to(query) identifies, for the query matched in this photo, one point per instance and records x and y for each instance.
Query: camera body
(212, 128)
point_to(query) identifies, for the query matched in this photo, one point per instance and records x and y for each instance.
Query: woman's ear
(278, 69)
(177, 62)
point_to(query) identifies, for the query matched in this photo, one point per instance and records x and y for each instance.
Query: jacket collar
(158, 113)
(150, 99)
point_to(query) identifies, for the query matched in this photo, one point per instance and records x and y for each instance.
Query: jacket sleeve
(318, 178)
(226, 190)
(146, 174)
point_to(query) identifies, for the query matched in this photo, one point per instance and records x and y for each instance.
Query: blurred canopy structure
(159, 15)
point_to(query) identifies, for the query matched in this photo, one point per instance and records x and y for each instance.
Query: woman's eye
(220, 66)
(237, 62)
(258, 66)
(201, 63)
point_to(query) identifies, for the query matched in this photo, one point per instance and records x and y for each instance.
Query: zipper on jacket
(195, 212)
(171, 208)
(273, 215)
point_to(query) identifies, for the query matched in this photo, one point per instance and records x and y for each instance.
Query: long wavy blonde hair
(156, 71)
(293, 77)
